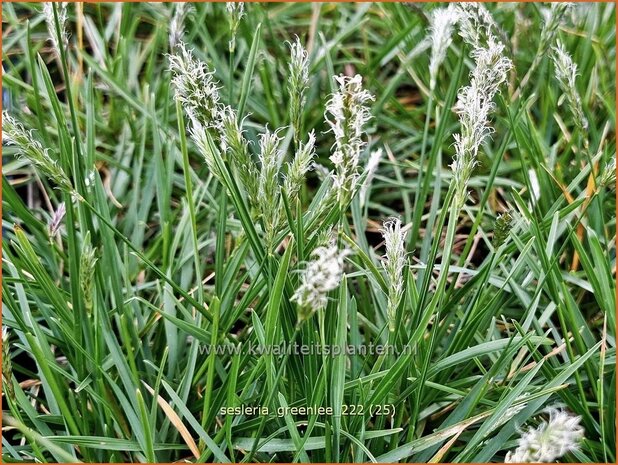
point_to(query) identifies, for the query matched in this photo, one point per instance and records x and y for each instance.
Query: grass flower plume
(476, 24)
(394, 263)
(566, 74)
(441, 24)
(347, 114)
(321, 276)
(235, 11)
(14, 133)
(474, 105)
(297, 84)
(550, 441)
(61, 40)
(194, 87)
(268, 186)
(299, 167)
(177, 24)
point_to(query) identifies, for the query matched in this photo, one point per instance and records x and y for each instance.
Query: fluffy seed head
(177, 23)
(492, 67)
(194, 86)
(475, 23)
(13, 133)
(552, 19)
(346, 114)
(269, 195)
(299, 66)
(297, 83)
(235, 145)
(474, 105)
(441, 23)
(321, 276)
(550, 441)
(298, 168)
(235, 10)
(270, 159)
(566, 74)
(61, 40)
(394, 262)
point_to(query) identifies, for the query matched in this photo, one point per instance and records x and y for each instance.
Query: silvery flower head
(552, 17)
(346, 114)
(234, 144)
(299, 66)
(474, 105)
(298, 81)
(394, 263)
(441, 23)
(270, 159)
(298, 168)
(321, 276)
(475, 23)
(550, 441)
(235, 11)
(87, 262)
(14, 133)
(177, 23)
(194, 86)
(492, 67)
(269, 195)
(566, 74)
(61, 40)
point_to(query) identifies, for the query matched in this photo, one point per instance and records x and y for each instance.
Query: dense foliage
(187, 188)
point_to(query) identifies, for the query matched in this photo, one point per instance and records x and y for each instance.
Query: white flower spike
(441, 24)
(394, 264)
(321, 276)
(61, 40)
(550, 441)
(348, 113)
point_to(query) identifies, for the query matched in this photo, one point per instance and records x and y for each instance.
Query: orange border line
(300, 1)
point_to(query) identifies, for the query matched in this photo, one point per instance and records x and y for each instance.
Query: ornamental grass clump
(301, 233)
